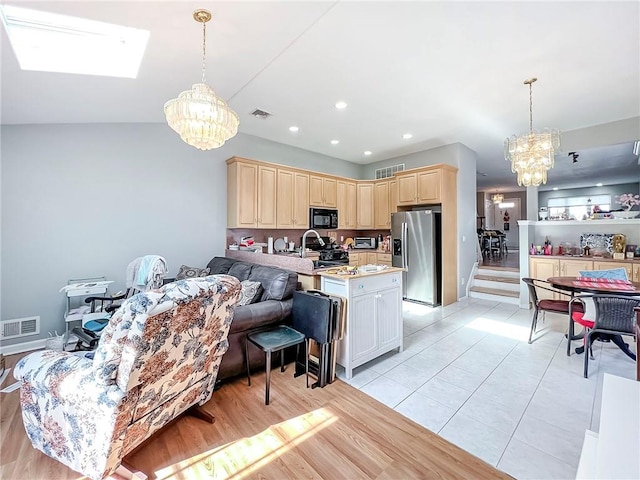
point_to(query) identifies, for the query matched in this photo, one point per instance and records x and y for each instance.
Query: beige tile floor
(468, 374)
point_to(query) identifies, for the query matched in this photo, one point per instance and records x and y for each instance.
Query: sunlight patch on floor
(503, 329)
(243, 457)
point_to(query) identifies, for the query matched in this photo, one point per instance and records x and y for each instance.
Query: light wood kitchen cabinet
(374, 316)
(543, 268)
(381, 211)
(384, 259)
(347, 204)
(572, 267)
(393, 197)
(364, 217)
(371, 258)
(354, 259)
(419, 188)
(292, 199)
(251, 196)
(628, 266)
(323, 191)
(636, 272)
(242, 195)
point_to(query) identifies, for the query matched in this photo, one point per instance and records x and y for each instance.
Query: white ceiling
(444, 71)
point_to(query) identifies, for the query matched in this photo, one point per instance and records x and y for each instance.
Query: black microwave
(323, 218)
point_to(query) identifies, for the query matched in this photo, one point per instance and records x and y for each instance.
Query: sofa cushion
(278, 284)
(191, 272)
(219, 265)
(241, 270)
(251, 292)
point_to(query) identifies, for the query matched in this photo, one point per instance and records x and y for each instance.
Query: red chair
(546, 305)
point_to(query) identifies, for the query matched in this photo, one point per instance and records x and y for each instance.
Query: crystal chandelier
(201, 118)
(531, 154)
(497, 198)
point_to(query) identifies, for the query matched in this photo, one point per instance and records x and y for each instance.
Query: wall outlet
(462, 281)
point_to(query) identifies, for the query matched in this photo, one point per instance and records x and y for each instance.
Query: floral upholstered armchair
(158, 356)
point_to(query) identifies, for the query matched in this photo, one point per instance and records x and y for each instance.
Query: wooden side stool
(272, 340)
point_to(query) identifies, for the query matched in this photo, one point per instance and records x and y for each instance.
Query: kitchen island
(374, 313)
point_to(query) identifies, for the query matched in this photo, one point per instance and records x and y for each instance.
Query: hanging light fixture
(201, 118)
(531, 154)
(497, 198)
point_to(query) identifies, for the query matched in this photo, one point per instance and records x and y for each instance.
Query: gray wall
(84, 200)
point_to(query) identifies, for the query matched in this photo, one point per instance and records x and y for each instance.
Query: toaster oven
(365, 242)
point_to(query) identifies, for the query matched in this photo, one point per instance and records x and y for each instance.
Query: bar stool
(273, 340)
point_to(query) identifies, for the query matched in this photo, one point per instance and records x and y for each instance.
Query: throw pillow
(251, 292)
(191, 272)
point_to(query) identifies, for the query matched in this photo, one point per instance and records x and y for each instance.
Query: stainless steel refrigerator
(416, 246)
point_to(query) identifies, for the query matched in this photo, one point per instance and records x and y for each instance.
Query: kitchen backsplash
(261, 235)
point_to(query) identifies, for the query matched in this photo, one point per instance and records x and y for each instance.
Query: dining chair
(614, 317)
(545, 305)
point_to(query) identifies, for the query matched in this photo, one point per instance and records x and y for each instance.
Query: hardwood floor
(333, 432)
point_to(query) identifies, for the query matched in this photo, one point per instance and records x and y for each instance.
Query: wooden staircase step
(495, 267)
(493, 278)
(495, 291)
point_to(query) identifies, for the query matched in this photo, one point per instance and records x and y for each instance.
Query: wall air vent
(20, 327)
(387, 172)
(260, 113)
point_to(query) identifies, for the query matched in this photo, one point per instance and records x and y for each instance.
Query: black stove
(330, 254)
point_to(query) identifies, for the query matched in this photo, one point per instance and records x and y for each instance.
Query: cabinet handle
(378, 295)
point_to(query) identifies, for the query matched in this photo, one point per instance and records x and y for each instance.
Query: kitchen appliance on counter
(416, 247)
(365, 242)
(323, 218)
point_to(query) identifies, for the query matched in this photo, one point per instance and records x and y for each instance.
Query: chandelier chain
(204, 51)
(530, 110)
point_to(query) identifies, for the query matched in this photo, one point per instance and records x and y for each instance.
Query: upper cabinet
(381, 205)
(323, 191)
(251, 195)
(364, 216)
(292, 199)
(347, 208)
(419, 188)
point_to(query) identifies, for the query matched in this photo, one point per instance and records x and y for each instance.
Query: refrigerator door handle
(405, 234)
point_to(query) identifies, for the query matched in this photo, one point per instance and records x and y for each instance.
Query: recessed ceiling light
(555, 188)
(407, 136)
(335, 142)
(341, 105)
(49, 42)
(598, 184)
(367, 152)
(293, 128)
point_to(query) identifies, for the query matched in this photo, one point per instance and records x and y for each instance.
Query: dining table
(578, 285)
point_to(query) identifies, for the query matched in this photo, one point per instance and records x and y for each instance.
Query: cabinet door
(429, 187)
(285, 199)
(341, 188)
(267, 197)
(363, 333)
(381, 205)
(354, 259)
(246, 195)
(636, 273)
(315, 191)
(389, 317)
(609, 265)
(571, 268)
(384, 259)
(372, 258)
(352, 205)
(393, 197)
(365, 205)
(407, 189)
(543, 268)
(300, 200)
(330, 192)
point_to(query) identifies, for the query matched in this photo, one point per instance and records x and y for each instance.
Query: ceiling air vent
(387, 172)
(260, 113)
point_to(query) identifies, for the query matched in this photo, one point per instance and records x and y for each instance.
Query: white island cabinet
(374, 314)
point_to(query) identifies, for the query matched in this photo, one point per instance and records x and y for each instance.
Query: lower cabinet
(374, 315)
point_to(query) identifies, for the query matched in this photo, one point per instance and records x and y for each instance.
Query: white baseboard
(22, 347)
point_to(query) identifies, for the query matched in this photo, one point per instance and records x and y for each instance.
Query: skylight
(50, 42)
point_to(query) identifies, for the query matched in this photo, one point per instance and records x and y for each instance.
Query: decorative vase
(625, 214)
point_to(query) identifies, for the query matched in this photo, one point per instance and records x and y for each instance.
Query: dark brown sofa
(273, 308)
